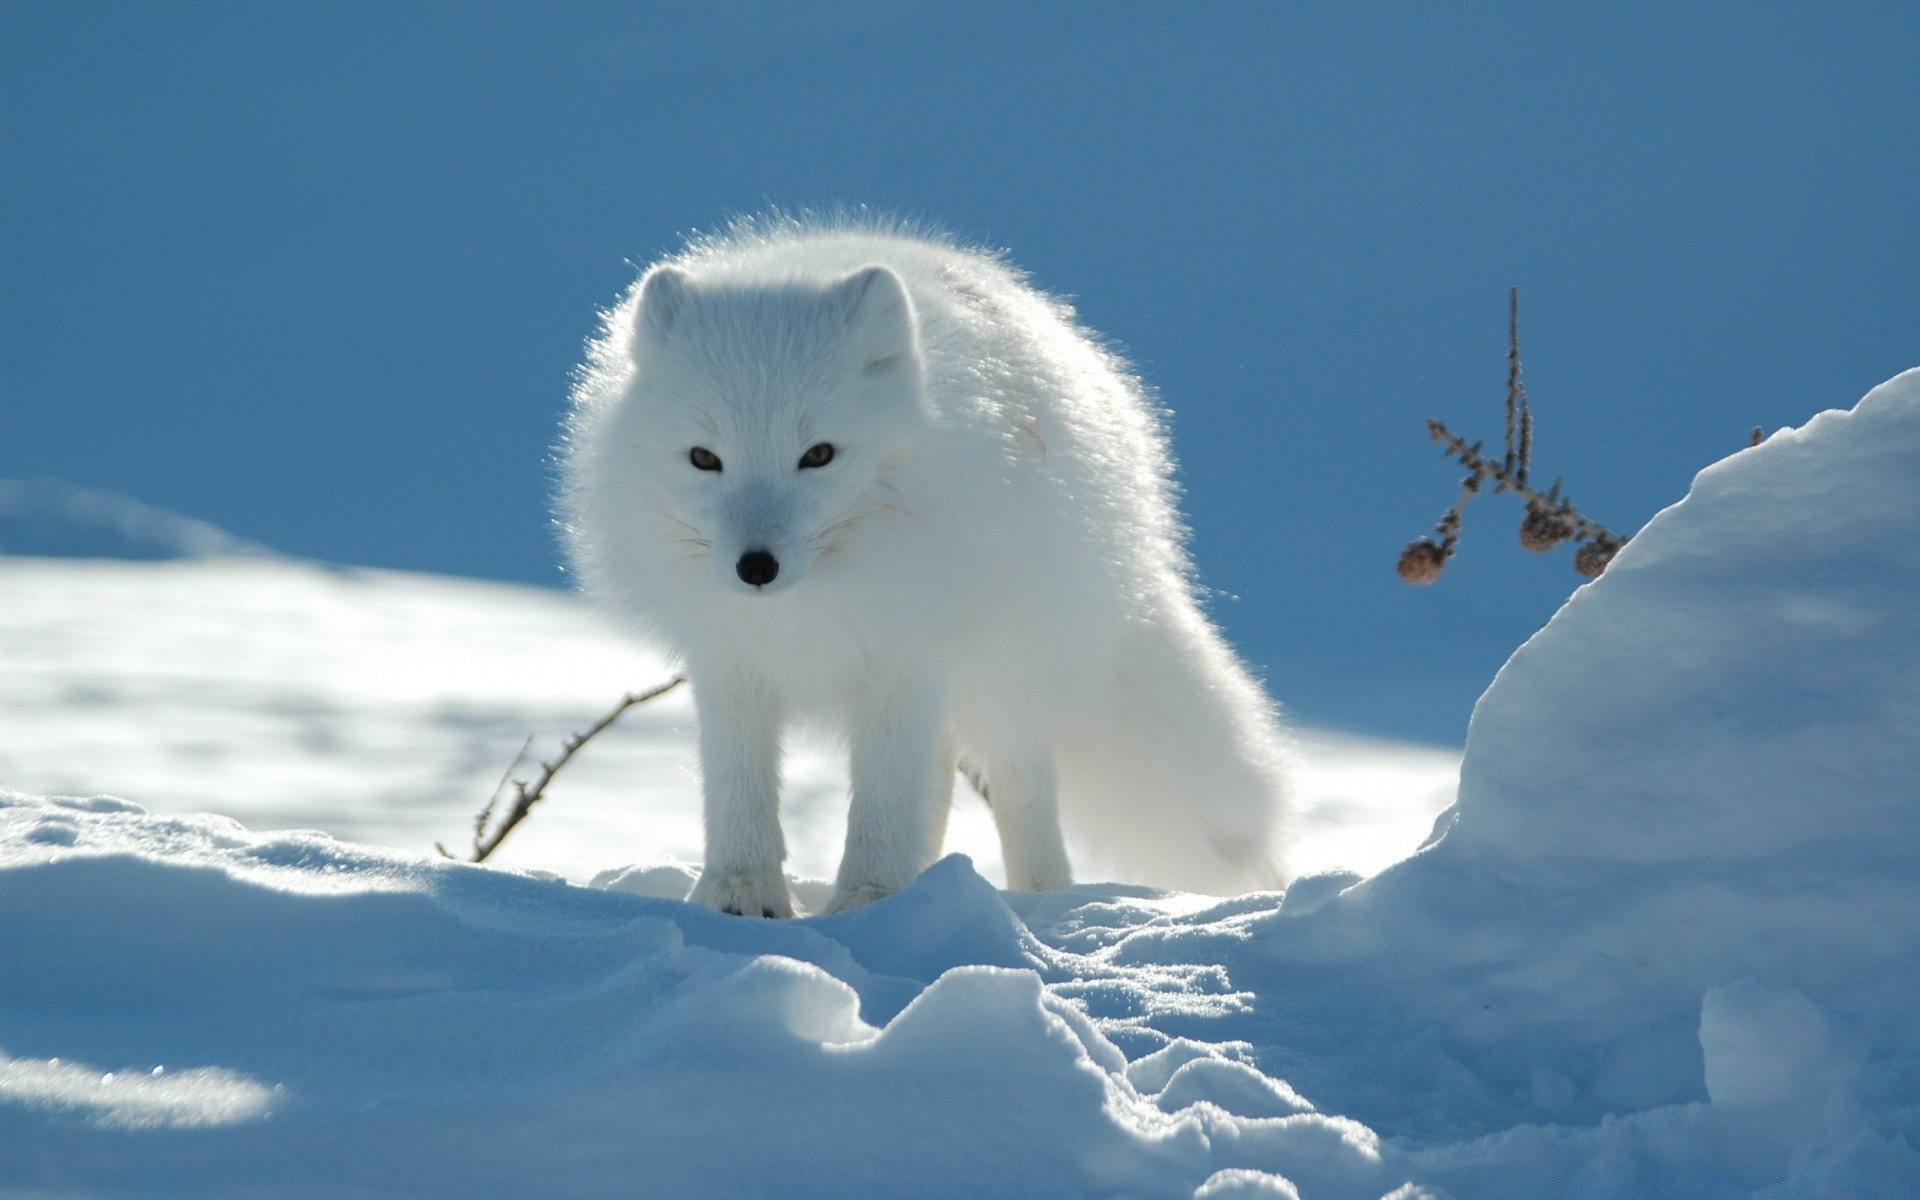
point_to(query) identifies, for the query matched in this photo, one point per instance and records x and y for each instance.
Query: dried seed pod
(1422, 561)
(1592, 558)
(1544, 528)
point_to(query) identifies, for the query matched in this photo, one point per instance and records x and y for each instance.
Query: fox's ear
(663, 293)
(880, 317)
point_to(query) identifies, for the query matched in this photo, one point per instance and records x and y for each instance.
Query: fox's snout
(757, 568)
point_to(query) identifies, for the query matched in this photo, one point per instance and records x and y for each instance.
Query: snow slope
(1664, 946)
(383, 706)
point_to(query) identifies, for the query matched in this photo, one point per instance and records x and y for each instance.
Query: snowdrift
(1663, 945)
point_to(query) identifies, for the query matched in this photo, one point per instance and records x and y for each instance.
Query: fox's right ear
(880, 314)
(663, 293)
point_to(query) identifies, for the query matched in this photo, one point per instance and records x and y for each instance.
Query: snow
(46, 516)
(1662, 946)
(470, 1028)
(383, 706)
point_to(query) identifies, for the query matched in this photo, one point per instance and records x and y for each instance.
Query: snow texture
(1662, 946)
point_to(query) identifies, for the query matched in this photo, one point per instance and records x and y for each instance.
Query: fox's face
(767, 419)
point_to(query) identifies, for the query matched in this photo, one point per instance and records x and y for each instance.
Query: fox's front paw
(745, 893)
(856, 896)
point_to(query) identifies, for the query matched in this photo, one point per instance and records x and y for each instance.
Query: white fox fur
(988, 570)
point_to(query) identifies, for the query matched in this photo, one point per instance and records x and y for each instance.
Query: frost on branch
(1550, 518)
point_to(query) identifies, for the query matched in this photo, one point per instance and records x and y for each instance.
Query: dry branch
(525, 794)
(1551, 517)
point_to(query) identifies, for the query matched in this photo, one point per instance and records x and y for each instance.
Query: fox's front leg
(740, 721)
(895, 757)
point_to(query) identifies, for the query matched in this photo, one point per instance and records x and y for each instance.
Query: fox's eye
(704, 458)
(817, 456)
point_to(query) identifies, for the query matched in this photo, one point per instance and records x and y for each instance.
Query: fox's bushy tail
(1185, 779)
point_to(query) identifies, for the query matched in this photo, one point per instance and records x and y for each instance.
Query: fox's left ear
(880, 317)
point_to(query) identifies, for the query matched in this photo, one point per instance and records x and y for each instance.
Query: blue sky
(318, 273)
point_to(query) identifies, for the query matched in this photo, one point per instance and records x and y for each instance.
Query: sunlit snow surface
(383, 707)
(1665, 946)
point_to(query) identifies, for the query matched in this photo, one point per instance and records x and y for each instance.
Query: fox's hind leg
(1023, 792)
(740, 777)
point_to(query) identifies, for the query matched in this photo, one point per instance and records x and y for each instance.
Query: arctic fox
(869, 480)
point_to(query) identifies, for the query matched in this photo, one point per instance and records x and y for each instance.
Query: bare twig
(1551, 517)
(506, 777)
(1517, 394)
(1505, 481)
(525, 794)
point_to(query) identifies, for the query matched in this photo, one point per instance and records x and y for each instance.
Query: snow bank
(1682, 884)
(1663, 946)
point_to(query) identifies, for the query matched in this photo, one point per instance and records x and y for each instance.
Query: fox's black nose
(757, 567)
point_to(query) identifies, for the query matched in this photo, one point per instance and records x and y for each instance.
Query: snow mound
(1663, 946)
(1757, 647)
(1669, 929)
(46, 516)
